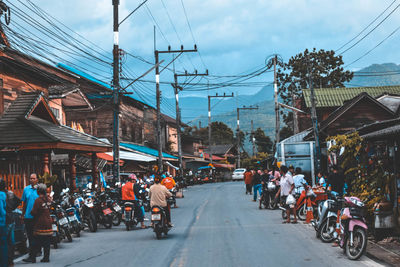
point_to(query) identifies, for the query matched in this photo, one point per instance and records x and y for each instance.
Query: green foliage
(367, 176)
(255, 162)
(263, 142)
(324, 67)
(221, 134)
(47, 179)
(285, 132)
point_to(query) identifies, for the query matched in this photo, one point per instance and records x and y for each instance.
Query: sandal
(285, 222)
(294, 222)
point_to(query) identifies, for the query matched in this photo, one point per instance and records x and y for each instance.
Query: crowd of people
(290, 182)
(36, 204)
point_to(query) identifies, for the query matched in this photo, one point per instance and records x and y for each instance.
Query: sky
(233, 36)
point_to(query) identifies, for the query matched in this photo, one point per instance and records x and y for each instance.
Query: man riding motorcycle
(128, 194)
(169, 183)
(158, 197)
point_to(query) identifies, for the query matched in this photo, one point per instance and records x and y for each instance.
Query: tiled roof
(146, 150)
(335, 97)
(19, 125)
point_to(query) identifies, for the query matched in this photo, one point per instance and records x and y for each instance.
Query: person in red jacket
(248, 179)
(128, 194)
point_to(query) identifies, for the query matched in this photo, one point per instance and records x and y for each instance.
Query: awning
(169, 164)
(205, 167)
(146, 150)
(226, 166)
(125, 155)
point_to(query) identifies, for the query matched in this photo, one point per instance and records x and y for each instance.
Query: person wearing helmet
(128, 194)
(158, 197)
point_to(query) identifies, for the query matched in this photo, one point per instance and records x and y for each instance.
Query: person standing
(42, 227)
(12, 202)
(28, 198)
(3, 227)
(336, 180)
(287, 187)
(248, 178)
(257, 185)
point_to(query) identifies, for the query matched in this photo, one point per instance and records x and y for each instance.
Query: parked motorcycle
(267, 199)
(327, 214)
(64, 227)
(102, 212)
(71, 212)
(85, 205)
(172, 200)
(55, 237)
(352, 230)
(159, 221)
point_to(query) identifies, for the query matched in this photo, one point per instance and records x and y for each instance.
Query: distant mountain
(194, 109)
(364, 76)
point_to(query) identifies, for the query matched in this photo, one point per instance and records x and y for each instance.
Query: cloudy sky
(234, 36)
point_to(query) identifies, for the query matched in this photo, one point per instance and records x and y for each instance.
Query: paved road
(215, 225)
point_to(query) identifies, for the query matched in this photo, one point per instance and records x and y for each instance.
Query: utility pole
(209, 120)
(238, 130)
(178, 111)
(314, 120)
(158, 95)
(252, 138)
(116, 100)
(277, 117)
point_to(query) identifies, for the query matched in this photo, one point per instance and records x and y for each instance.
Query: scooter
(268, 196)
(159, 221)
(352, 230)
(327, 214)
(130, 217)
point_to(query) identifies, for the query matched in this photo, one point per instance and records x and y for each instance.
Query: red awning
(109, 158)
(206, 156)
(226, 166)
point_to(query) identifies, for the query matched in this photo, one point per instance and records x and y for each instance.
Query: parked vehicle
(159, 221)
(63, 224)
(327, 216)
(172, 200)
(71, 212)
(352, 228)
(55, 238)
(85, 205)
(267, 199)
(238, 174)
(20, 237)
(102, 211)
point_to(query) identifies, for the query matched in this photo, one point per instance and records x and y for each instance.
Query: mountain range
(194, 109)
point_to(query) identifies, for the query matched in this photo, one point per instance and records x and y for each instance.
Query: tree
(285, 132)
(221, 134)
(242, 137)
(263, 142)
(324, 67)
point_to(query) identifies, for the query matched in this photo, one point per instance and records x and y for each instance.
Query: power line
(371, 30)
(372, 22)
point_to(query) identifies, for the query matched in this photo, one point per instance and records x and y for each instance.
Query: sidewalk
(386, 251)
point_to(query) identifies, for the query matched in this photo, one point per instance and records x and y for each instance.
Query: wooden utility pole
(238, 130)
(178, 112)
(209, 120)
(158, 95)
(116, 101)
(252, 138)
(277, 117)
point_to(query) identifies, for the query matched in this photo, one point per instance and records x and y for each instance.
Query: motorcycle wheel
(302, 213)
(68, 235)
(127, 226)
(324, 230)
(158, 234)
(92, 223)
(272, 204)
(359, 244)
(116, 219)
(108, 222)
(262, 202)
(78, 231)
(284, 215)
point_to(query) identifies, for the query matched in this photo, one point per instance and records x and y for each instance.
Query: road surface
(215, 225)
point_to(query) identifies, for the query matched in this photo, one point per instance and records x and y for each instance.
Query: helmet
(132, 176)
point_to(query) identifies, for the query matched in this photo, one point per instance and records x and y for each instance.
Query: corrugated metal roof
(392, 131)
(335, 97)
(146, 150)
(299, 137)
